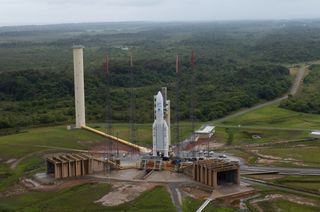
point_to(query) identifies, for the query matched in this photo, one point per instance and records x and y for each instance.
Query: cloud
(122, 3)
(64, 11)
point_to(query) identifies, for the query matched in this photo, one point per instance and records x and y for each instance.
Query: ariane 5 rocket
(160, 130)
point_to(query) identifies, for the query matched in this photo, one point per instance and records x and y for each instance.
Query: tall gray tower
(79, 86)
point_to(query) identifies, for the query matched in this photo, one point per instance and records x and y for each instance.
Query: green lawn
(78, 198)
(273, 116)
(157, 199)
(284, 205)
(246, 136)
(18, 145)
(190, 204)
(297, 154)
(311, 183)
(26, 168)
(217, 206)
(308, 155)
(83, 197)
(308, 183)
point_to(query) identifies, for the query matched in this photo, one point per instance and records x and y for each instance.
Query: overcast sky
(19, 12)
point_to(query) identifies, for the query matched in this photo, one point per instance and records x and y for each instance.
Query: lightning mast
(133, 138)
(192, 99)
(108, 105)
(177, 127)
(192, 96)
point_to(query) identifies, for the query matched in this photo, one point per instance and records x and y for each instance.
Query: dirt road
(294, 89)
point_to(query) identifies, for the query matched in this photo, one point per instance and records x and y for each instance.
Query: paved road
(294, 89)
(263, 127)
(260, 182)
(175, 196)
(282, 170)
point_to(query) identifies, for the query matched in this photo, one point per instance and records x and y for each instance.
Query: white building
(205, 132)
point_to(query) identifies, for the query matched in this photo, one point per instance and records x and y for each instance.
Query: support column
(83, 172)
(79, 86)
(202, 174)
(215, 179)
(206, 175)
(210, 178)
(238, 176)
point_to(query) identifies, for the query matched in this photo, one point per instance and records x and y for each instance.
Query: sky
(23, 12)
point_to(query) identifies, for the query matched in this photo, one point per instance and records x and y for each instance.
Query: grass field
(308, 155)
(284, 205)
(308, 183)
(82, 197)
(18, 145)
(190, 205)
(273, 116)
(244, 136)
(294, 154)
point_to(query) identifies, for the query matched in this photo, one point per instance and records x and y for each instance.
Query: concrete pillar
(79, 86)
(215, 179)
(206, 175)
(78, 168)
(69, 169)
(82, 168)
(202, 174)
(57, 171)
(210, 178)
(238, 176)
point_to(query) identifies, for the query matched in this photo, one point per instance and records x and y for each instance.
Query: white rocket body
(160, 129)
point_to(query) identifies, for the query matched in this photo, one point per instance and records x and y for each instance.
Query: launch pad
(208, 171)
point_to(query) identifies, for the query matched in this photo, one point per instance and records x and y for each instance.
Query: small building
(205, 133)
(64, 165)
(216, 172)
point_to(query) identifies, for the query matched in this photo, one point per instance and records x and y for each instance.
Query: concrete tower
(79, 86)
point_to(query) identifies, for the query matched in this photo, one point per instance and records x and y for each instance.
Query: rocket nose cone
(159, 97)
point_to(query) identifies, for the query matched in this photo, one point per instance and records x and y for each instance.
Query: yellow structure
(115, 139)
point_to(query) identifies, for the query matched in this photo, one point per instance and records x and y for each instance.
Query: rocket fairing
(160, 130)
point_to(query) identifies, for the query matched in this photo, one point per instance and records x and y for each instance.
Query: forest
(238, 64)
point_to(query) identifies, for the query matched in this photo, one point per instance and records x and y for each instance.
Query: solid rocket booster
(160, 129)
